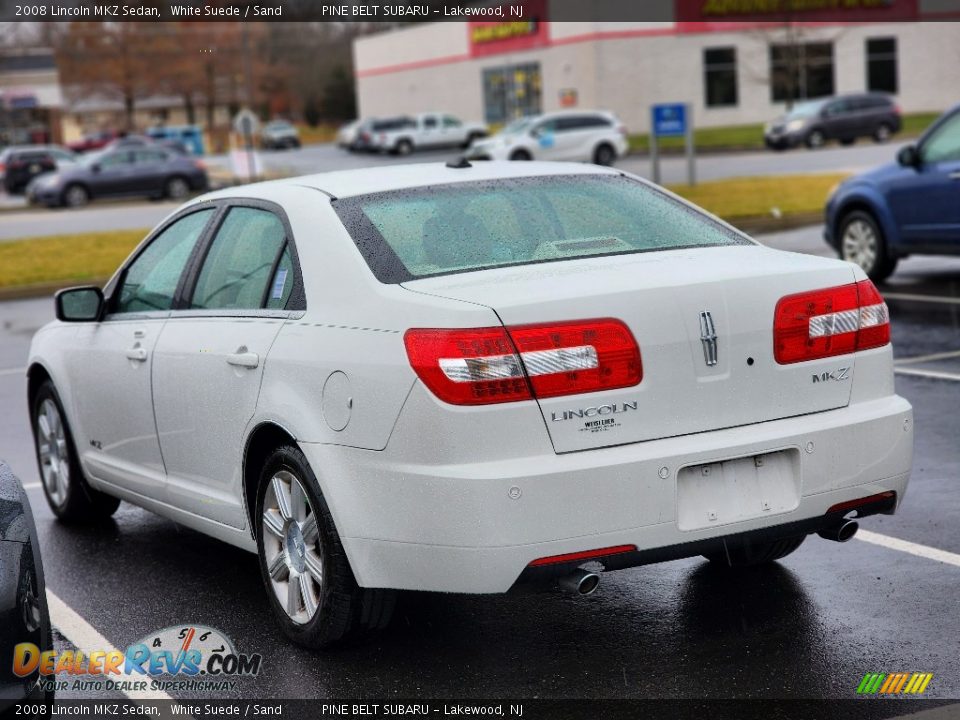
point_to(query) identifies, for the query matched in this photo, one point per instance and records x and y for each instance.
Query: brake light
(482, 366)
(622, 130)
(833, 321)
(200, 164)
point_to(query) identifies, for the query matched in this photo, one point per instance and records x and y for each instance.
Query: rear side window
(151, 280)
(461, 227)
(242, 262)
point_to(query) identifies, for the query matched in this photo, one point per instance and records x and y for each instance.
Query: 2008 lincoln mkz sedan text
(466, 379)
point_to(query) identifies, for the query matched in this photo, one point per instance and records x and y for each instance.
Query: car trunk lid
(703, 319)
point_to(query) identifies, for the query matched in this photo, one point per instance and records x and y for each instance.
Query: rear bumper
(465, 528)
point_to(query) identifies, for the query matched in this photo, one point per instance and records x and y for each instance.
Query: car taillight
(482, 366)
(200, 164)
(622, 130)
(833, 321)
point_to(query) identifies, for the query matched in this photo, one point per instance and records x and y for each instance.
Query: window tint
(720, 76)
(882, 64)
(150, 282)
(149, 157)
(114, 160)
(944, 144)
(449, 121)
(241, 261)
(430, 122)
(802, 70)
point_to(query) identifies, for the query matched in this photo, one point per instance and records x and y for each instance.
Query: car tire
(75, 196)
(862, 242)
(471, 138)
(756, 553)
(64, 486)
(815, 139)
(176, 188)
(403, 147)
(305, 570)
(882, 133)
(521, 155)
(604, 155)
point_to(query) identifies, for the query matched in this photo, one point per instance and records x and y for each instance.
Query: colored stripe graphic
(894, 683)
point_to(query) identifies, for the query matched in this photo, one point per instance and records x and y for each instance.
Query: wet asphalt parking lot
(809, 626)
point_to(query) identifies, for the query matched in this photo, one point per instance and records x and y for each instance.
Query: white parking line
(932, 374)
(927, 358)
(85, 637)
(892, 543)
(922, 298)
(14, 371)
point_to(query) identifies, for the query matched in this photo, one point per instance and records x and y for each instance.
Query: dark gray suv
(844, 118)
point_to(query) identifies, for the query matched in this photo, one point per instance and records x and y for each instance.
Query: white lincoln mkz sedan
(469, 379)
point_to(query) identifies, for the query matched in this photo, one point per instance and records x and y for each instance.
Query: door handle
(137, 353)
(244, 359)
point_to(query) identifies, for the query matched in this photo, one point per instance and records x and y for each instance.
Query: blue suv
(911, 206)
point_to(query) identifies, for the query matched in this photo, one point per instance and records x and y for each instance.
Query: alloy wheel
(53, 450)
(76, 196)
(177, 188)
(860, 244)
(292, 549)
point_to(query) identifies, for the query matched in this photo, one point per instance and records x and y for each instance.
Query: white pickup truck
(428, 130)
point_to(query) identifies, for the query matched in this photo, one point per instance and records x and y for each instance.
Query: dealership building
(730, 70)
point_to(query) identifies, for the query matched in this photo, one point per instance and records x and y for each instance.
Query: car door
(549, 138)
(838, 119)
(111, 174)
(110, 364)
(430, 131)
(149, 168)
(925, 199)
(210, 356)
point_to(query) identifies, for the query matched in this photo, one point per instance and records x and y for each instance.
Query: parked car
(370, 130)
(19, 164)
(279, 135)
(486, 375)
(907, 207)
(93, 141)
(843, 118)
(147, 171)
(427, 130)
(23, 598)
(573, 135)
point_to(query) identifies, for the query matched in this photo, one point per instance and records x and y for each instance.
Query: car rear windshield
(462, 227)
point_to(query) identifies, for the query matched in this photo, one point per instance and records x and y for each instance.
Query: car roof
(364, 181)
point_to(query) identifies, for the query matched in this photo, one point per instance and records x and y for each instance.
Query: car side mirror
(79, 304)
(909, 156)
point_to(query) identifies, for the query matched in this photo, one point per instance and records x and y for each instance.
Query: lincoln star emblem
(708, 337)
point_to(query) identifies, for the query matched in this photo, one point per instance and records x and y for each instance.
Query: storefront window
(882, 65)
(720, 76)
(799, 71)
(511, 92)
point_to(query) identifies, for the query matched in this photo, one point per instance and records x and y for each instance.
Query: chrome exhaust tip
(841, 532)
(580, 582)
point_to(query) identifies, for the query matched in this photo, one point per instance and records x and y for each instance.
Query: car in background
(486, 376)
(426, 131)
(23, 598)
(570, 135)
(370, 130)
(279, 135)
(347, 134)
(19, 164)
(93, 141)
(845, 119)
(148, 171)
(907, 207)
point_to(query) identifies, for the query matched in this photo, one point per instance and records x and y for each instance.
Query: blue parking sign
(670, 120)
